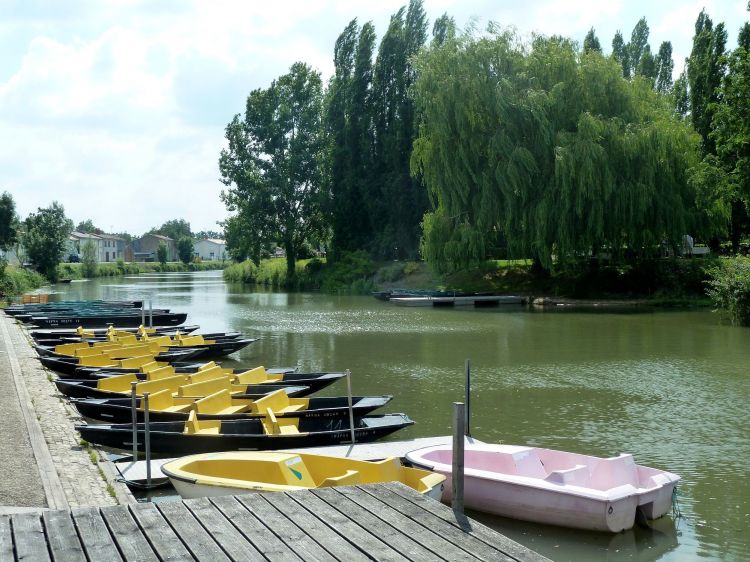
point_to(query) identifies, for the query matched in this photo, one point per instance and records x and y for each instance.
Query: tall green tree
(443, 29)
(274, 166)
(637, 46)
(162, 254)
(185, 249)
(621, 53)
(681, 96)
(88, 227)
(8, 221)
(553, 154)
(705, 69)
(46, 233)
(591, 42)
(664, 68)
(401, 198)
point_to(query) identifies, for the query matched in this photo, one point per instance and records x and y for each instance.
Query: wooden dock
(372, 522)
(464, 300)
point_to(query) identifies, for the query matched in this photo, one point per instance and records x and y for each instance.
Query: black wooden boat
(216, 348)
(66, 365)
(316, 381)
(179, 367)
(119, 410)
(61, 306)
(102, 332)
(209, 436)
(87, 389)
(101, 321)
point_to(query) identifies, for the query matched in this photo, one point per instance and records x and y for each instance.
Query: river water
(670, 387)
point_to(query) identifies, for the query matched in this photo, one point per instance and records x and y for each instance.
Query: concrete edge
(53, 489)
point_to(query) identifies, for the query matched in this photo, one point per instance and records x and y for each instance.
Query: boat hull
(555, 487)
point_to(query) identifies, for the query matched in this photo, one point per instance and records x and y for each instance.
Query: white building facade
(210, 249)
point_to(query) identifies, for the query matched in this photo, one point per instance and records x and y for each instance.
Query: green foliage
(161, 254)
(185, 249)
(351, 273)
(664, 68)
(17, 280)
(174, 229)
(8, 221)
(89, 259)
(88, 227)
(545, 152)
(591, 42)
(274, 167)
(729, 289)
(47, 230)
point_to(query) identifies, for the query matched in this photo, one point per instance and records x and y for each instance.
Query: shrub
(729, 288)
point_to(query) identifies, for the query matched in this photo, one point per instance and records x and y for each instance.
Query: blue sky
(117, 108)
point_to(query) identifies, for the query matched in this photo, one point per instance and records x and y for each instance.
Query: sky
(117, 108)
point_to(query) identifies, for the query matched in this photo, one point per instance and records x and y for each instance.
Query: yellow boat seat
(120, 383)
(171, 383)
(158, 372)
(204, 388)
(194, 426)
(209, 365)
(138, 361)
(272, 426)
(208, 374)
(220, 403)
(278, 402)
(164, 401)
(256, 376)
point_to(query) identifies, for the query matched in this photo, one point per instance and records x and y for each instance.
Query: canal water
(670, 387)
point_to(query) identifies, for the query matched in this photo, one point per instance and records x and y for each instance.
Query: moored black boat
(102, 332)
(216, 348)
(101, 321)
(87, 389)
(65, 365)
(119, 410)
(200, 436)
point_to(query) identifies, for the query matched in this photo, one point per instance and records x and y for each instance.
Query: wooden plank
(165, 542)
(28, 536)
(451, 532)
(95, 537)
(6, 538)
(394, 536)
(419, 534)
(468, 526)
(306, 545)
(62, 537)
(222, 530)
(329, 541)
(250, 530)
(126, 533)
(346, 527)
(198, 541)
(291, 535)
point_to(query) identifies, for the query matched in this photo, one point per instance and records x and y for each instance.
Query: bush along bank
(18, 280)
(729, 288)
(114, 269)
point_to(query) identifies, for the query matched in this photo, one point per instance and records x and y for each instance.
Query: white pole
(150, 312)
(467, 369)
(457, 473)
(349, 396)
(133, 406)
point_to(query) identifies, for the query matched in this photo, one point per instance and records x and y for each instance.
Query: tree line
(462, 146)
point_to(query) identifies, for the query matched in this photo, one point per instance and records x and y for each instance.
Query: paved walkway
(55, 457)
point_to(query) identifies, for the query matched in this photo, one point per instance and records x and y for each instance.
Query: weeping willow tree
(546, 152)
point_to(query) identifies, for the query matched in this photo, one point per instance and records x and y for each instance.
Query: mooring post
(143, 312)
(468, 397)
(150, 312)
(133, 407)
(349, 396)
(147, 438)
(457, 473)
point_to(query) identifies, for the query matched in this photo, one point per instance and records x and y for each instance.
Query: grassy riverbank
(114, 269)
(677, 282)
(18, 280)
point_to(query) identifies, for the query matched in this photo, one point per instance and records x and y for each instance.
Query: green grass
(119, 268)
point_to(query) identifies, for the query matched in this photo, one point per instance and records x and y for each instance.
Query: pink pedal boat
(553, 487)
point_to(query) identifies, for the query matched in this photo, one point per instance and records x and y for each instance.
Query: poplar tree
(620, 53)
(664, 68)
(591, 42)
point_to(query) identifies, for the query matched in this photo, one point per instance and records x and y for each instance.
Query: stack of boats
(194, 404)
(236, 427)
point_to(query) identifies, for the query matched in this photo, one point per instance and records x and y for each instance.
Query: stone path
(79, 477)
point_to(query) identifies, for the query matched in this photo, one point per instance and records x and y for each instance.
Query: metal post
(143, 312)
(147, 438)
(349, 396)
(457, 473)
(133, 407)
(150, 312)
(467, 369)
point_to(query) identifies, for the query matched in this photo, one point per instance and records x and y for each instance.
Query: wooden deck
(373, 522)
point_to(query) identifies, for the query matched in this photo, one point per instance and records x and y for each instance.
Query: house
(210, 249)
(108, 248)
(145, 247)
(111, 248)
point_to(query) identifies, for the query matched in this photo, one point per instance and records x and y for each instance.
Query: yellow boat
(237, 472)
